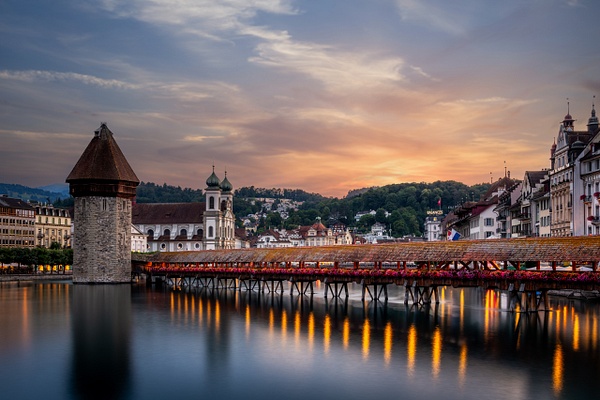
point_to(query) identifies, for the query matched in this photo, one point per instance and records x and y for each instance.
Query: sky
(324, 96)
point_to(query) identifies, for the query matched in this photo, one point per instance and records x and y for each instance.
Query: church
(190, 226)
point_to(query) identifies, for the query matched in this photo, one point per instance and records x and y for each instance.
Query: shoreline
(35, 277)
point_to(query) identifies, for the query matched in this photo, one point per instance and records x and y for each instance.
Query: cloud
(423, 12)
(204, 17)
(49, 76)
(335, 69)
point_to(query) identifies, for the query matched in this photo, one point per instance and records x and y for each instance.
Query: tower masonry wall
(102, 244)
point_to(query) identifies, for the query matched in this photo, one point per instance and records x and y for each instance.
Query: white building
(190, 226)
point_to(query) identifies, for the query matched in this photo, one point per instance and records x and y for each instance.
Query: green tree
(273, 220)
(380, 216)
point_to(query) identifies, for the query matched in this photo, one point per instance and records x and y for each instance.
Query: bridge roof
(575, 249)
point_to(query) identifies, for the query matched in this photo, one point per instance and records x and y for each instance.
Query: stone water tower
(103, 185)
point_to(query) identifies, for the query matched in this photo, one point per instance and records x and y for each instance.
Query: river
(65, 341)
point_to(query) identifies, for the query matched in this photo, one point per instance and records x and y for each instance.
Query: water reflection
(101, 335)
(467, 327)
(140, 343)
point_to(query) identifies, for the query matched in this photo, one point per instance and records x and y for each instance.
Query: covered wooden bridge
(420, 266)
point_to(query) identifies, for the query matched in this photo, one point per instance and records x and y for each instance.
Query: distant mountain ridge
(33, 194)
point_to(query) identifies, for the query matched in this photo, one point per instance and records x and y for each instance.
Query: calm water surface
(64, 341)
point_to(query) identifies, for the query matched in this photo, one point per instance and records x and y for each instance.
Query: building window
(489, 222)
(167, 233)
(163, 246)
(211, 202)
(210, 231)
(183, 232)
(179, 246)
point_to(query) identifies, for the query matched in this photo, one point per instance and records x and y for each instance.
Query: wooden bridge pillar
(527, 300)
(335, 291)
(420, 294)
(376, 294)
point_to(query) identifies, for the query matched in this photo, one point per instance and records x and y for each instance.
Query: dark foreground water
(64, 341)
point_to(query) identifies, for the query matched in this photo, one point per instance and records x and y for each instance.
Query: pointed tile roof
(103, 160)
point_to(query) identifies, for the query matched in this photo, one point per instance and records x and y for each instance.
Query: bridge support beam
(276, 286)
(376, 293)
(528, 301)
(335, 291)
(300, 286)
(420, 294)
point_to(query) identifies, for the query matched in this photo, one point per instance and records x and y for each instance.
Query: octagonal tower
(103, 185)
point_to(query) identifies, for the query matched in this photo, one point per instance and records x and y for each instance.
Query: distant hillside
(27, 193)
(61, 188)
(148, 192)
(292, 194)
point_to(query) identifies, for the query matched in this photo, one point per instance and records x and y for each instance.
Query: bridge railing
(588, 280)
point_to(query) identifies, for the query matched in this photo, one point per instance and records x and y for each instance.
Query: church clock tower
(103, 185)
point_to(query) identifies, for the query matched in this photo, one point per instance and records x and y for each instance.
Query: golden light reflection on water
(326, 333)
(217, 316)
(411, 347)
(575, 328)
(462, 365)
(576, 332)
(557, 370)
(200, 312)
(436, 352)
(172, 305)
(486, 316)
(297, 327)
(462, 310)
(247, 320)
(366, 338)
(283, 326)
(387, 343)
(595, 332)
(346, 333)
(311, 330)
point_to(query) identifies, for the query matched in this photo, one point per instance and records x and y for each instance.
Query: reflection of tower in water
(101, 333)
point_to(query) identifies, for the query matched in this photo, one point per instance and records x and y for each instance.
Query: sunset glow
(321, 96)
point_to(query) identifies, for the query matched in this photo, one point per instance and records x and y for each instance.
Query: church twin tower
(104, 185)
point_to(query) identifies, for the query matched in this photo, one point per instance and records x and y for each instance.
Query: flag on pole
(440, 202)
(453, 235)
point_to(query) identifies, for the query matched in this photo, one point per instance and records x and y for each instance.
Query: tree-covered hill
(406, 203)
(27, 193)
(402, 207)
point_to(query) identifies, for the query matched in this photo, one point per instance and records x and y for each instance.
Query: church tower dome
(226, 186)
(213, 181)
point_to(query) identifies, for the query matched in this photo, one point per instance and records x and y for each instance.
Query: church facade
(190, 226)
